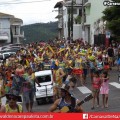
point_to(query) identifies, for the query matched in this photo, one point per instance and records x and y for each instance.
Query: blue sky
(33, 12)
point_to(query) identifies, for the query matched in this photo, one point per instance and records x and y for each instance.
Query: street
(81, 92)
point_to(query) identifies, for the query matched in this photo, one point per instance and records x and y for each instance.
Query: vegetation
(112, 16)
(78, 19)
(40, 32)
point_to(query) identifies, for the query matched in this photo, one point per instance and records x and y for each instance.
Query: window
(74, 10)
(6, 56)
(43, 79)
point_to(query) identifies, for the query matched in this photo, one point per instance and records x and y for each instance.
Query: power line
(22, 2)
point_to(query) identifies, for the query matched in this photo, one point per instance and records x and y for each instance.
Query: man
(66, 103)
(58, 75)
(17, 80)
(110, 52)
(28, 88)
(12, 106)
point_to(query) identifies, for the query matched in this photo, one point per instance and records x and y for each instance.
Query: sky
(34, 12)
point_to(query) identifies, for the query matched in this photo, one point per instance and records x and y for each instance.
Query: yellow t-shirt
(9, 110)
(78, 63)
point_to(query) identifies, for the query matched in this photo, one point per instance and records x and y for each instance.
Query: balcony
(4, 36)
(78, 2)
(21, 35)
(69, 4)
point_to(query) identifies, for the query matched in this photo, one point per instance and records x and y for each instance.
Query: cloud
(33, 12)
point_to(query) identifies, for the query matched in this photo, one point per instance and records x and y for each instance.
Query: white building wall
(94, 14)
(77, 31)
(5, 28)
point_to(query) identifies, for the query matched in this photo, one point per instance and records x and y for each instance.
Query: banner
(59, 116)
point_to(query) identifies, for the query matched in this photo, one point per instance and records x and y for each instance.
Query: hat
(65, 87)
(19, 99)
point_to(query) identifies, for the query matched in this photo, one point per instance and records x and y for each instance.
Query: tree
(112, 16)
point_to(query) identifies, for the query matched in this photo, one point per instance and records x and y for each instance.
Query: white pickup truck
(45, 92)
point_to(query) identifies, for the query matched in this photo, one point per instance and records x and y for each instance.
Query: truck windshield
(42, 79)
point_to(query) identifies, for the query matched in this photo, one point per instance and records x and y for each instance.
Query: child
(104, 90)
(96, 88)
(99, 65)
(106, 65)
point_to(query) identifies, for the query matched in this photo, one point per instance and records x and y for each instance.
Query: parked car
(6, 55)
(45, 92)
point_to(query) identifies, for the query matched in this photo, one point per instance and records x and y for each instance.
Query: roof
(5, 15)
(43, 73)
(59, 4)
(14, 20)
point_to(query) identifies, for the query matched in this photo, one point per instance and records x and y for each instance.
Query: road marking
(84, 89)
(115, 84)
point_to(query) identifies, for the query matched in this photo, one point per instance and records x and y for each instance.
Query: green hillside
(40, 31)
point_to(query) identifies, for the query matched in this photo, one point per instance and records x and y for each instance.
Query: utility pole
(83, 19)
(62, 23)
(71, 20)
(69, 23)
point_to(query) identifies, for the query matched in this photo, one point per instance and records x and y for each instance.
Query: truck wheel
(51, 100)
(38, 102)
(47, 100)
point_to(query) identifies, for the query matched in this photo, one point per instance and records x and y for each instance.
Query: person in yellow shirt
(12, 106)
(78, 70)
(28, 88)
(58, 75)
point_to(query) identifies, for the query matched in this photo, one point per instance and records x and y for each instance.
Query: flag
(51, 49)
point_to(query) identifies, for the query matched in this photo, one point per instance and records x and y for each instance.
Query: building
(93, 23)
(72, 10)
(87, 19)
(65, 16)
(10, 29)
(18, 35)
(59, 5)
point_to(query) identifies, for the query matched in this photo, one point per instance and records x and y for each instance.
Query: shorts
(85, 72)
(95, 91)
(92, 70)
(100, 71)
(77, 71)
(28, 96)
(118, 61)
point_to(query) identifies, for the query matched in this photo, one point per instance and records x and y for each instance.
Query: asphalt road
(81, 92)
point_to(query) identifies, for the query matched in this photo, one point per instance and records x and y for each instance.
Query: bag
(118, 62)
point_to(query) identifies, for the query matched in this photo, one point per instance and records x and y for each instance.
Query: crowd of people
(70, 63)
